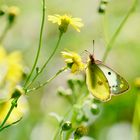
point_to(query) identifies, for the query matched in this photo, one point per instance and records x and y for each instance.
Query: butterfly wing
(117, 83)
(97, 83)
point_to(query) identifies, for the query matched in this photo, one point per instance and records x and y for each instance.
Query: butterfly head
(91, 57)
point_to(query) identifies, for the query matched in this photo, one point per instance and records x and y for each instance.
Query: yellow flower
(64, 21)
(73, 61)
(17, 112)
(11, 71)
(80, 132)
(13, 11)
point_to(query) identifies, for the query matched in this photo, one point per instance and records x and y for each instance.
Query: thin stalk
(111, 42)
(10, 124)
(40, 43)
(13, 104)
(73, 117)
(60, 126)
(61, 135)
(45, 83)
(47, 61)
(56, 135)
(8, 26)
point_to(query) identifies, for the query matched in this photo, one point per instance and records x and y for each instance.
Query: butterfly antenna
(87, 52)
(93, 48)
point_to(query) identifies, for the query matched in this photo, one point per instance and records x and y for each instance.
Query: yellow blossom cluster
(73, 61)
(11, 71)
(65, 20)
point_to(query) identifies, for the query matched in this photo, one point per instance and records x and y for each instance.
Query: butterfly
(102, 81)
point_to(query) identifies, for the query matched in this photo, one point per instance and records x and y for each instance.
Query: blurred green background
(115, 120)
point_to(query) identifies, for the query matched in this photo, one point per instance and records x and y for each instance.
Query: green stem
(60, 126)
(8, 26)
(73, 117)
(45, 83)
(13, 104)
(45, 64)
(136, 120)
(61, 135)
(56, 135)
(1, 129)
(40, 43)
(111, 42)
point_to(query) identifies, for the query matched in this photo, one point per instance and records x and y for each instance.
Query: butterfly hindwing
(117, 83)
(97, 82)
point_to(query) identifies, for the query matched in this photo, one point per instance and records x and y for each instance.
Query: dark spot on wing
(109, 73)
(100, 82)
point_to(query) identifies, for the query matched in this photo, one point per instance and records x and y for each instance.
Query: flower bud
(96, 101)
(64, 25)
(94, 109)
(18, 92)
(3, 10)
(66, 126)
(37, 70)
(102, 8)
(13, 11)
(82, 118)
(64, 92)
(25, 72)
(103, 5)
(71, 83)
(80, 132)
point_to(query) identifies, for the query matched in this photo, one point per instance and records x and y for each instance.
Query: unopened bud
(80, 132)
(18, 92)
(66, 126)
(3, 10)
(13, 11)
(94, 109)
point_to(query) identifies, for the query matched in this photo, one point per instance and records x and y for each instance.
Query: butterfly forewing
(97, 82)
(117, 83)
